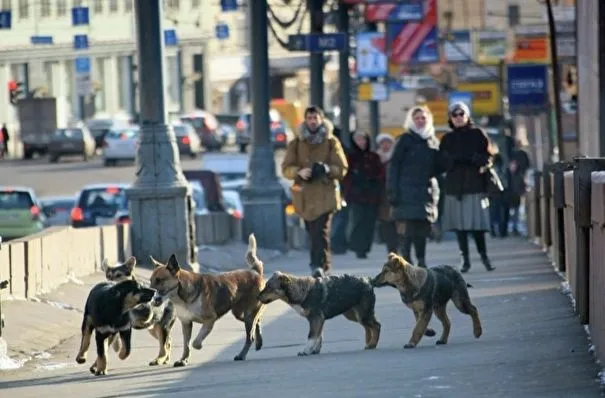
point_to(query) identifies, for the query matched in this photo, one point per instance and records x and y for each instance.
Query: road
(68, 176)
(532, 346)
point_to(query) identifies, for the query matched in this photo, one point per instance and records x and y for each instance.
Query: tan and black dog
(205, 298)
(321, 298)
(157, 319)
(428, 290)
(106, 312)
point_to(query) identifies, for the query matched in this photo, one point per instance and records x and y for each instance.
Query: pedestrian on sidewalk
(340, 219)
(411, 184)
(498, 201)
(387, 228)
(4, 138)
(362, 188)
(315, 161)
(516, 192)
(465, 156)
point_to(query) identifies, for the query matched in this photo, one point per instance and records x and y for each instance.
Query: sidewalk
(533, 345)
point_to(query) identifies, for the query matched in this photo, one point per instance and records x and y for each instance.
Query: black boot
(479, 237)
(487, 263)
(405, 248)
(421, 263)
(462, 239)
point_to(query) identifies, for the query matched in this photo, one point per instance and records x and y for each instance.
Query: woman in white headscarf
(411, 185)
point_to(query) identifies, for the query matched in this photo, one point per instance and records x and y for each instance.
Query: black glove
(319, 170)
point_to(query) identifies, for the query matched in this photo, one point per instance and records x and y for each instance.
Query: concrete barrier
(215, 228)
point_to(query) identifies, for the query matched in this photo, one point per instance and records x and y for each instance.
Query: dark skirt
(414, 228)
(362, 222)
(469, 213)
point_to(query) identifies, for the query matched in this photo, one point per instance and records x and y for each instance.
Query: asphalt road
(68, 176)
(532, 346)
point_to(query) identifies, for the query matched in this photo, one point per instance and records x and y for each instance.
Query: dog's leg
(316, 324)
(163, 338)
(462, 301)
(423, 320)
(429, 332)
(100, 367)
(125, 337)
(249, 324)
(258, 337)
(441, 314)
(114, 341)
(203, 333)
(85, 341)
(372, 328)
(187, 329)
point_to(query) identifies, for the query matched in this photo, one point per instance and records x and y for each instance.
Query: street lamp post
(263, 195)
(160, 198)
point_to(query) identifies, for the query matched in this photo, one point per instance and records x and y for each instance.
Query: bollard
(545, 198)
(3, 285)
(536, 211)
(557, 171)
(583, 168)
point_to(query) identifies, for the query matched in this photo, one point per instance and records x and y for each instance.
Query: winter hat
(459, 105)
(384, 136)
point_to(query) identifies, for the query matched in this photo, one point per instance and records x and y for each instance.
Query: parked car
(199, 198)
(57, 209)
(20, 212)
(227, 133)
(100, 204)
(120, 145)
(206, 127)
(71, 141)
(228, 166)
(99, 127)
(281, 133)
(187, 139)
(233, 203)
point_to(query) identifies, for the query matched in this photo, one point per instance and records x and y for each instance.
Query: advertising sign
(466, 97)
(415, 42)
(486, 97)
(531, 49)
(371, 57)
(410, 10)
(372, 91)
(527, 88)
(490, 47)
(458, 46)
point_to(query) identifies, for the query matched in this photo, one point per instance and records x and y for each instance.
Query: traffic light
(14, 91)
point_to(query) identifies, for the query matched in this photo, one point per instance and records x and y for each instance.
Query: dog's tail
(251, 257)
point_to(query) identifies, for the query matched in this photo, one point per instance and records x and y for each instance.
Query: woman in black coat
(465, 156)
(411, 185)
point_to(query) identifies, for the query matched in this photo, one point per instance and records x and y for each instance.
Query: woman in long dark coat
(411, 185)
(362, 190)
(465, 156)
(387, 228)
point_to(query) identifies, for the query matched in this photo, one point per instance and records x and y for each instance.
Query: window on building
(113, 6)
(195, 3)
(128, 5)
(98, 6)
(78, 3)
(172, 4)
(45, 8)
(61, 8)
(23, 9)
(6, 5)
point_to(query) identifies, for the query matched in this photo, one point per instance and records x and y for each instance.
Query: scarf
(313, 138)
(424, 133)
(385, 156)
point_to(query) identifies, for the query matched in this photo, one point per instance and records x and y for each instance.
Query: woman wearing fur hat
(465, 156)
(362, 188)
(386, 225)
(411, 185)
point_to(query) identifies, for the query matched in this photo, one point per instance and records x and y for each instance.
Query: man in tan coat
(316, 162)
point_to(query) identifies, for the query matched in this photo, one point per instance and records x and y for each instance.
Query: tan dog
(205, 298)
(426, 290)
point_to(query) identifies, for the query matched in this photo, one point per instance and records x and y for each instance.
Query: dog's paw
(93, 369)
(302, 354)
(430, 332)
(239, 358)
(101, 372)
(196, 345)
(409, 345)
(180, 363)
(80, 360)
(370, 347)
(441, 342)
(258, 343)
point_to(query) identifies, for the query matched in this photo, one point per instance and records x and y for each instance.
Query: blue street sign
(228, 5)
(82, 65)
(527, 88)
(80, 42)
(465, 97)
(412, 11)
(222, 31)
(79, 16)
(170, 38)
(41, 39)
(317, 43)
(6, 18)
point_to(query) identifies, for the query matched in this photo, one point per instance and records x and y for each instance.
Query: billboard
(490, 47)
(458, 46)
(487, 98)
(371, 57)
(410, 10)
(527, 88)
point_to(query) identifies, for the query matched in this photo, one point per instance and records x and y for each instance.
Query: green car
(20, 213)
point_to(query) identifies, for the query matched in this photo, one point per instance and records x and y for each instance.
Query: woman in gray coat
(411, 185)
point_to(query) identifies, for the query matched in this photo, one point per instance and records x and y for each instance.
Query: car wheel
(85, 156)
(242, 148)
(53, 158)
(193, 155)
(109, 162)
(28, 155)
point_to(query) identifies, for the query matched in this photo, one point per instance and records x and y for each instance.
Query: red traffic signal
(14, 91)
(12, 85)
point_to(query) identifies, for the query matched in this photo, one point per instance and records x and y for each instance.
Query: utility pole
(344, 76)
(374, 105)
(263, 195)
(557, 149)
(316, 60)
(160, 199)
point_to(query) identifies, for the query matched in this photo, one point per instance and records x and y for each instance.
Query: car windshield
(196, 122)
(198, 197)
(109, 198)
(15, 200)
(227, 166)
(69, 134)
(180, 130)
(122, 134)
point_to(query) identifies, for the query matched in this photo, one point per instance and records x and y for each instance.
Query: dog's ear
(173, 265)
(105, 265)
(155, 262)
(130, 263)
